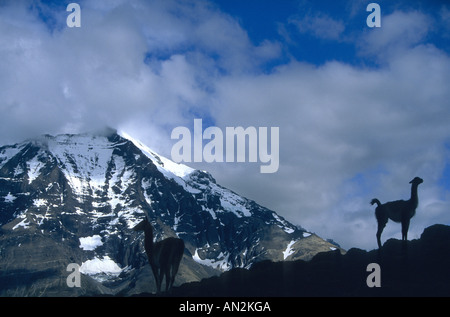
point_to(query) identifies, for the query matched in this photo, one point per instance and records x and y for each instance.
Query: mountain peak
(165, 164)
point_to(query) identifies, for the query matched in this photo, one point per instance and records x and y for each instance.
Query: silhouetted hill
(419, 268)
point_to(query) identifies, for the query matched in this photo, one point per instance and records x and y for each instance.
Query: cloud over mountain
(360, 121)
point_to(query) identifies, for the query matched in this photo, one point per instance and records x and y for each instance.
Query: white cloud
(337, 121)
(128, 61)
(400, 31)
(347, 133)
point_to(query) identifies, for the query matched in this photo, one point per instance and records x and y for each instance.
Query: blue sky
(278, 21)
(361, 111)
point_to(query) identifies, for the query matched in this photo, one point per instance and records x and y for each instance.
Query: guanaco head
(144, 225)
(416, 180)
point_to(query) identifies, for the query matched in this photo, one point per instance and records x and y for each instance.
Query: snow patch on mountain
(85, 159)
(220, 262)
(283, 224)
(90, 243)
(34, 166)
(24, 224)
(101, 269)
(9, 152)
(9, 198)
(39, 202)
(288, 251)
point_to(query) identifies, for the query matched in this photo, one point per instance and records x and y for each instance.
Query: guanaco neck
(414, 196)
(148, 242)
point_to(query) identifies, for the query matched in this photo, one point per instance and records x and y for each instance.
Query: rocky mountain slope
(74, 199)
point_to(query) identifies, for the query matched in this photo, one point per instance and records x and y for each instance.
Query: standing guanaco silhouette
(398, 211)
(164, 256)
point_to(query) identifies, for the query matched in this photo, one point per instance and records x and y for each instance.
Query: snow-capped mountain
(74, 199)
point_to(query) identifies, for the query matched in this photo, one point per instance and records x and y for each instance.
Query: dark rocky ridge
(418, 268)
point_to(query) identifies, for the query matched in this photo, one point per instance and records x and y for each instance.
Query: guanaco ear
(140, 226)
